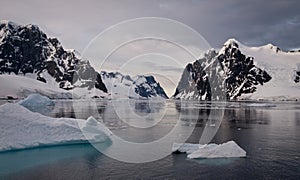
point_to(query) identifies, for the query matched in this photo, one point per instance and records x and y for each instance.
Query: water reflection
(145, 107)
(145, 114)
(63, 109)
(245, 116)
(198, 113)
(297, 119)
(236, 116)
(78, 109)
(114, 113)
(193, 113)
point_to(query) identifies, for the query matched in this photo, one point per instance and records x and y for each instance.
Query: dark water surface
(268, 131)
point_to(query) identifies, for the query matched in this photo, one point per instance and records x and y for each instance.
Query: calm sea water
(268, 131)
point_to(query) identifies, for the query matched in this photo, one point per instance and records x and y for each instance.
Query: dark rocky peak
(196, 77)
(7, 26)
(27, 49)
(229, 71)
(241, 75)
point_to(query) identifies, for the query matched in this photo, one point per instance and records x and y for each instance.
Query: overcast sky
(76, 23)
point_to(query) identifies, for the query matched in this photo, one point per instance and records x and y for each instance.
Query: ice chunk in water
(225, 150)
(38, 103)
(21, 128)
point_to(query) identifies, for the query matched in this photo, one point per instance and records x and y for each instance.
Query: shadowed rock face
(297, 77)
(149, 88)
(26, 49)
(229, 71)
(297, 74)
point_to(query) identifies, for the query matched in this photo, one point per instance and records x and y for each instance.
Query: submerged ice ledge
(20, 129)
(226, 150)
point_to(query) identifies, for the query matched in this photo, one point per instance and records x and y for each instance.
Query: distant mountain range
(137, 87)
(234, 72)
(26, 50)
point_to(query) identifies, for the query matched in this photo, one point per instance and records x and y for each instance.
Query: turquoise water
(269, 132)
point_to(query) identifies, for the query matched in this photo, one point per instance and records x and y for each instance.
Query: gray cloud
(75, 23)
(157, 67)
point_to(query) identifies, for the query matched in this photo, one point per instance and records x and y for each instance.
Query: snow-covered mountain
(283, 67)
(137, 87)
(264, 73)
(26, 50)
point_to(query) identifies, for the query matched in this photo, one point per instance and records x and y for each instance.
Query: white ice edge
(228, 149)
(21, 129)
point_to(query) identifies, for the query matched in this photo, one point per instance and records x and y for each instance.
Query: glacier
(19, 87)
(20, 129)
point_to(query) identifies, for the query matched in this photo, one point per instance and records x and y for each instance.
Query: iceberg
(226, 150)
(37, 103)
(20, 129)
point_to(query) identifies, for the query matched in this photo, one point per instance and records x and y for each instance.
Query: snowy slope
(222, 75)
(20, 87)
(26, 50)
(282, 67)
(256, 73)
(21, 128)
(138, 87)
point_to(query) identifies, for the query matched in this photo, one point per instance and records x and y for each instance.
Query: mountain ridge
(137, 87)
(242, 76)
(26, 50)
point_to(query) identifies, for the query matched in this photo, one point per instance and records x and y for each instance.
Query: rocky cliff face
(241, 75)
(297, 74)
(26, 50)
(228, 73)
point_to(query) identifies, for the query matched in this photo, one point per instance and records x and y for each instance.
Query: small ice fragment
(228, 149)
(212, 150)
(37, 103)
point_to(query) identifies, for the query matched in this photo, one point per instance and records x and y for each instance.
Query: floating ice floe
(225, 150)
(38, 103)
(21, 128)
